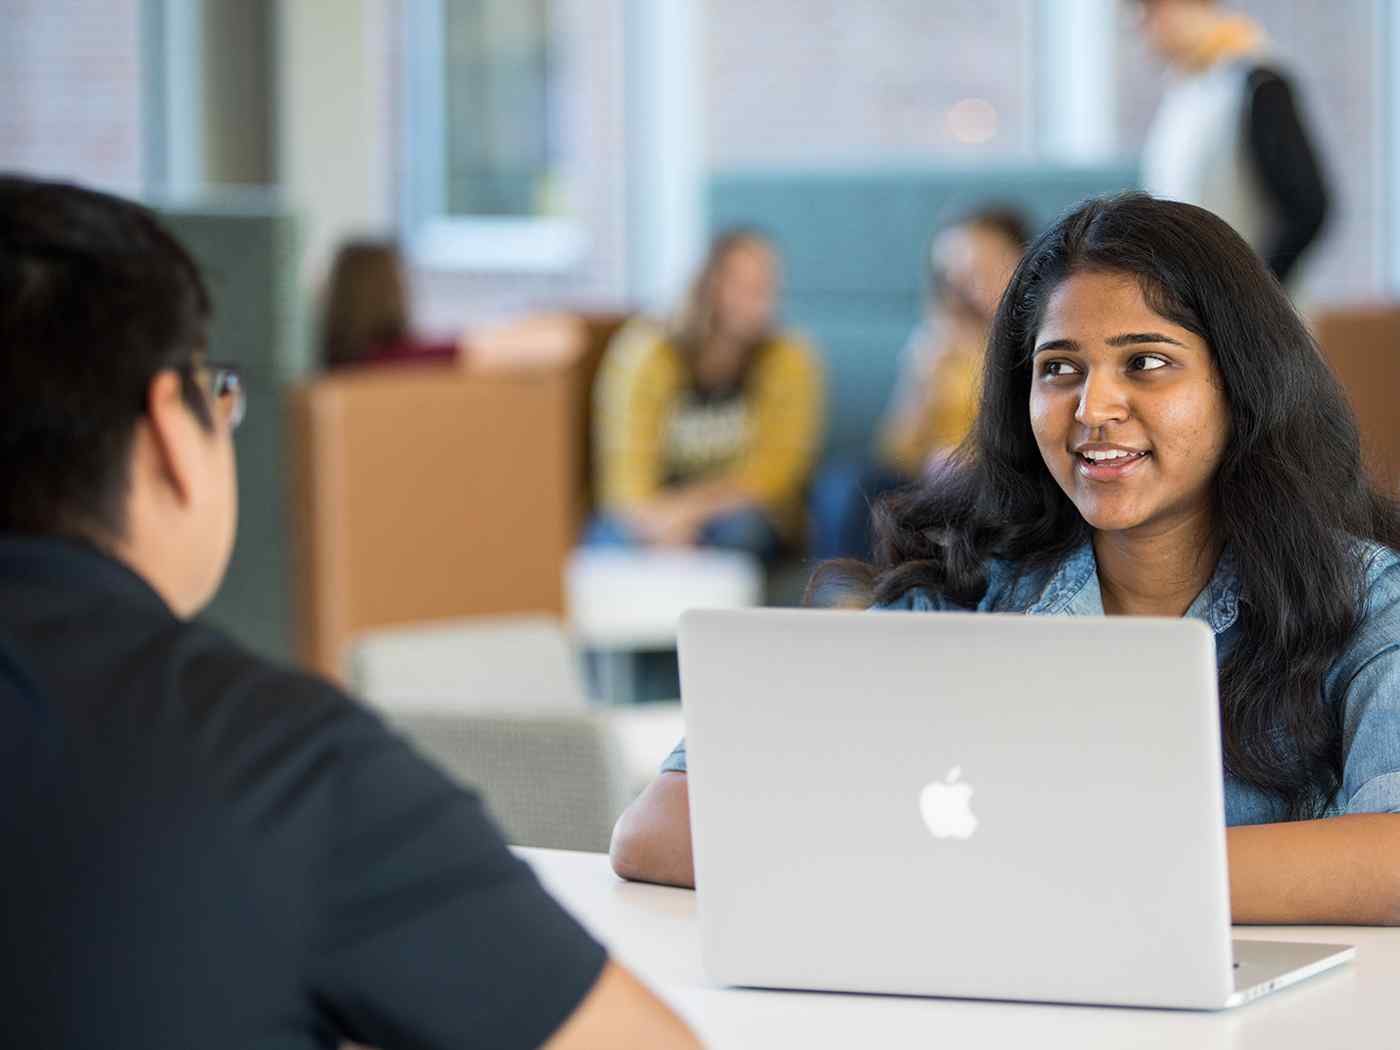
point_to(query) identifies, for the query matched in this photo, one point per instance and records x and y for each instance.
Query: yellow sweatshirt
(653, 430)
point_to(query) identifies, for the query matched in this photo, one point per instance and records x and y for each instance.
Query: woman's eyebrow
(1134, 338)
(1056, 344)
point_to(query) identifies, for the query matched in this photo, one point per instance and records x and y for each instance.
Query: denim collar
(1073, 590)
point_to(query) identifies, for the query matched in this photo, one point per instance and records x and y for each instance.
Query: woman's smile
(1101, 462)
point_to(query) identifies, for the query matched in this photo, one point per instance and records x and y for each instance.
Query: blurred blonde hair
(366, 302)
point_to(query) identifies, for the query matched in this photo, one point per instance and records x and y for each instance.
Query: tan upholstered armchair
(437, 491)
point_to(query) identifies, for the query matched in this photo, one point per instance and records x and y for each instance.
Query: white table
(653, 930)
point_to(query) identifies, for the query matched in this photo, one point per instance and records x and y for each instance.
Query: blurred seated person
(366, 314)
(707, 429)
(367, 321)
(935, 397)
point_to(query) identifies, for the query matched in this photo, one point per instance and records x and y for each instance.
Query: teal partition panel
(854, 243)
(247, 247)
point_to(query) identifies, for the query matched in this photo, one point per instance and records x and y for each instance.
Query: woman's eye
(1148, 363)
(1053, 369)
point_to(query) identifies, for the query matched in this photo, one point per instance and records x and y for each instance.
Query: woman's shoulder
(788, 349)
(1011, 587)
(1378, 631)
(1380, 579)
(643, 344)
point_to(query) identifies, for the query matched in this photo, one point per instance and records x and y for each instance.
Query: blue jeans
(749, 531)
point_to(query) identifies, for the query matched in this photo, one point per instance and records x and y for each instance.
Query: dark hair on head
(1292, 496)
(96, 299)
(1003, 219)
(366, 305)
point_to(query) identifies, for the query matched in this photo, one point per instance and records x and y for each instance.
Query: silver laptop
(1002, 807)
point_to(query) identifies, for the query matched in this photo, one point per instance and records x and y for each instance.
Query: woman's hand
(667, 522)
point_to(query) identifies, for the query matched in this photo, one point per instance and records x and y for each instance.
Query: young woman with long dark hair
(1159, 435)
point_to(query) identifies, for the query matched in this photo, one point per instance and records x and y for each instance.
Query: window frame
(434, 238)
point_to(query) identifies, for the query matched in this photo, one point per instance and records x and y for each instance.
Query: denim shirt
(1365, 679)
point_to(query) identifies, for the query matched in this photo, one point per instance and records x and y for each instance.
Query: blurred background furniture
(1362, 344)
(437, 491)
(498, 703)
(430, 493)
(552, 779)
(248, 243)
(624, 607)
(521, 662)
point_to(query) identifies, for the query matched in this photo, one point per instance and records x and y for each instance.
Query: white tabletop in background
(653, 930)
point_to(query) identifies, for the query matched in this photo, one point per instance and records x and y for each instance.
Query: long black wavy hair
(1291, 494)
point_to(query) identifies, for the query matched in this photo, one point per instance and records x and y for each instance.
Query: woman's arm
(636, 385)
(1342, 871)
(651, 842)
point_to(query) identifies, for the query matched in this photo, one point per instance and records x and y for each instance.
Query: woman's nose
(1102, 401)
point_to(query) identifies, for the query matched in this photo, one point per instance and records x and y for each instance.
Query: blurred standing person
(935, 397)
(1228, 135)
(707, 429)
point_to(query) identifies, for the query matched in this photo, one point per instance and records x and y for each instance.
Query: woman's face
(976, 263)
(1175, 28)
(746, 291)
(1128, 408)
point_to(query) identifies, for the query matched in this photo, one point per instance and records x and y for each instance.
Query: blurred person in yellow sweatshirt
(707, 428)
(935, 397)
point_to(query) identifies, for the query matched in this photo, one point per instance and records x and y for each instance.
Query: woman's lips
(1109, 469)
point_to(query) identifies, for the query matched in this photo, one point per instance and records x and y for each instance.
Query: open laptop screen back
(969, 805)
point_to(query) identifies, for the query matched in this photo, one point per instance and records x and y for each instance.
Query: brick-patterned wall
(70, 90)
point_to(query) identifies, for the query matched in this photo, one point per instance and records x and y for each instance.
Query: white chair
(624, 603)
(633, 599)
(555, 780)
(451, 665)
(498, 704)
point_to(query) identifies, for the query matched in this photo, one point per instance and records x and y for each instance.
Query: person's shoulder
(641, 336)
(1378, 630)
(642, 347)
(1380, 573)
(916, 599)
(236, 709)
(793, 347)
(1264, 72)
(1006, 583)
(786, 358)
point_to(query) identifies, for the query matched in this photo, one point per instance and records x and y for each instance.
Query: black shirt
(1288, 167)
(204, 850)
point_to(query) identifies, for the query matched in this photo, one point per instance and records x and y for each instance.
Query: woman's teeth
(1110, 456)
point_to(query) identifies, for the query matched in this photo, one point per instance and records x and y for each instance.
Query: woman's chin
(1113, 519)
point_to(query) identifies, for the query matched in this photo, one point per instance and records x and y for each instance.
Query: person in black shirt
(201, 849)
(1229, 135)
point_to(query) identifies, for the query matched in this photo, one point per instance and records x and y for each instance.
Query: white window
(488, 171)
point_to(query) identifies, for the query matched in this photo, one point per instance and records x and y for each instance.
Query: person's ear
(176, 435)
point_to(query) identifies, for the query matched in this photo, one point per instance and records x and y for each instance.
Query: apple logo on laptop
(946, 807)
